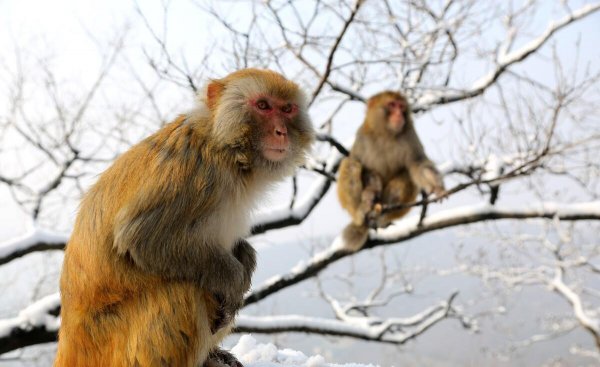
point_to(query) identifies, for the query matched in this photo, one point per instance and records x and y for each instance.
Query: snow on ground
(253, 354)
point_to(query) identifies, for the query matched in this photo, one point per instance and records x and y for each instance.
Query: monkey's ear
(213, 93)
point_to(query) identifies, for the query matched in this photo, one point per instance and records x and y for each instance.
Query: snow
(247, 350)
(492, 168)
(406, 226)
(33, 237)
(506, 59)
(253, 354)
(36, 315)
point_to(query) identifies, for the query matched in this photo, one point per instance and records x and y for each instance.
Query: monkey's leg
(355, 236)
(368, 209)
(350, 188)
(166, 326)
(399, 190)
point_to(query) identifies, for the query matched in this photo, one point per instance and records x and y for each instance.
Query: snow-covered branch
(503, 62)
(590, 324)
(34, 240)
(36, 324)
(391, 330)
(285, 216)
(39, 323)
(410, 228)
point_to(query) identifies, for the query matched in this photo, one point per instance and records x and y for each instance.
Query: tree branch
(503, 63)
(392, 331)
(410, 228)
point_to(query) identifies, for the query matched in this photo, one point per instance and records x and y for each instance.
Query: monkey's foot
(221, 358)
(373, 216)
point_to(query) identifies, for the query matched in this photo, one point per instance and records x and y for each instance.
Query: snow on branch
(285, 216)
(504, 60)
(39, 323)
(392, 330)
(36, 324)
(413, 227)
(34, 240)
(589, 323)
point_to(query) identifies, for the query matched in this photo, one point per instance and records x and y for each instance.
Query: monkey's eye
(263, 105)
(287, 108)
(396, 105)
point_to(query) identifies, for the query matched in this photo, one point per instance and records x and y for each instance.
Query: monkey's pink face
(274, 116)
(395, 111)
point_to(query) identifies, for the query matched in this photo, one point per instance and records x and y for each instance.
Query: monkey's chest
(231, 224)
(230, 220)
(385, 159)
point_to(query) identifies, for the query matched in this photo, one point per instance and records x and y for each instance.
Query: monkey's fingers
(440, 193)
(221, 358)
(218, 323)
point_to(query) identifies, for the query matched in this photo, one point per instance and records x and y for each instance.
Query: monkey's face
(263, 116)
(395, 111)
(273, 117)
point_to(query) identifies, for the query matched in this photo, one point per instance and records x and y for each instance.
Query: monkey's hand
(432, 181)
(246, 255)
(374, 215)
(224, 314)
(229, 301)
(221, 358)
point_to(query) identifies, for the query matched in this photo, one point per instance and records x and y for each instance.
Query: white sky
(63, 28)
(66, 29)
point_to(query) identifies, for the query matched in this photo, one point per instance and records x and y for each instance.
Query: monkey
(387, 166)
(156, 266)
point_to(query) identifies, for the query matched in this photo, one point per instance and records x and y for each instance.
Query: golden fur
(184, 190)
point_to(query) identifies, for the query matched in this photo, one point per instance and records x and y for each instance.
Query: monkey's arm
(246, 255)
(349, 182)
(426, 176)
(350, 188)
(159, 239)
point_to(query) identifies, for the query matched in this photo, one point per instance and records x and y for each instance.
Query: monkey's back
(112, 313)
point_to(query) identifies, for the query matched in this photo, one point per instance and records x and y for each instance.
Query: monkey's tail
(355, 236)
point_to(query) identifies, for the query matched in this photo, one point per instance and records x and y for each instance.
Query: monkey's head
(389, 109)
(262, 116)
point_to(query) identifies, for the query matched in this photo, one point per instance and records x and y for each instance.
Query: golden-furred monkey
(157, 266)
(387, 166)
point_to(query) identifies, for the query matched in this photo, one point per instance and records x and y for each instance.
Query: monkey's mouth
(275, 154)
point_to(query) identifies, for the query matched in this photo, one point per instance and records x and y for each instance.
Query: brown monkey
(387, 166)
(156, 266)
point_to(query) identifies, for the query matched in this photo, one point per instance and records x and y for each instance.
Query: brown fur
(156, 251)
(384, 168)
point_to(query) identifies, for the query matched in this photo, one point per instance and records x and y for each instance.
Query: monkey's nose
(280, 132)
